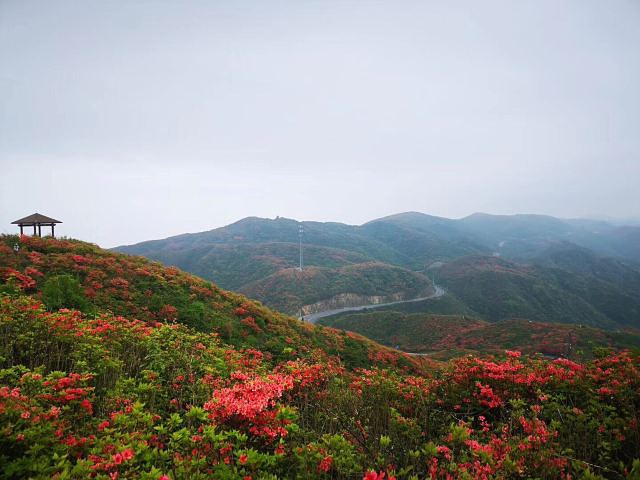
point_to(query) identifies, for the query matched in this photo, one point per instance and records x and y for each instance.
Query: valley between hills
(579, 278)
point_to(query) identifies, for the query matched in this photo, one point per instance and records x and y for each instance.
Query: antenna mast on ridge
(300, 234)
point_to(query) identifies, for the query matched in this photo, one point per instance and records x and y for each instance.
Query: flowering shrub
(78, 275)
(111, 394)
(147, 400)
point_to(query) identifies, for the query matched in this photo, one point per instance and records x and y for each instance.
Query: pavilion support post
(39, 230)
(21, 232)
(53, 225)
(34, 229)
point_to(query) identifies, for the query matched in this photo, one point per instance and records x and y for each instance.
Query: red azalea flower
(86, 404)
(103, 425)
(371, 475)
(128, 454)
(325, 464)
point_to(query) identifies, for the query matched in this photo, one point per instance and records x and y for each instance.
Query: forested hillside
(497, 267)
(594, 291)
(74, 274)
(449, 336)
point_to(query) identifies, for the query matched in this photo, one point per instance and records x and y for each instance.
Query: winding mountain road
(314, 317)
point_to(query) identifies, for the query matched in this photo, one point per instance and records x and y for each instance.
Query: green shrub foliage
(63, 291)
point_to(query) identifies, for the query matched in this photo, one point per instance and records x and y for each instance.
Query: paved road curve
(313, 318)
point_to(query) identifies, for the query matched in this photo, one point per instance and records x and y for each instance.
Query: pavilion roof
(35, 219)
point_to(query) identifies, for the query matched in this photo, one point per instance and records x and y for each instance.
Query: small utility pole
(300, 233)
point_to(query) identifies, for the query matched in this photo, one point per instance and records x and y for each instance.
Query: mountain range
(493, 267)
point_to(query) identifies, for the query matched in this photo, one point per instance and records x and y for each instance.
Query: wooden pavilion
(37, 221)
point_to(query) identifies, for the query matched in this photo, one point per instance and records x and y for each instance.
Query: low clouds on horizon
(139, 120)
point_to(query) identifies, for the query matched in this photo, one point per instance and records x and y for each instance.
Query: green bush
(64, 291)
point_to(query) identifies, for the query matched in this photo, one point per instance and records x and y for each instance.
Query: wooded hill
(495, 267)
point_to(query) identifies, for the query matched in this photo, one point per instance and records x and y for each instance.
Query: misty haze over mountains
(191, 114)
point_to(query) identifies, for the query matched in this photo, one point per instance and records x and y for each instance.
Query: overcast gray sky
(132, 120)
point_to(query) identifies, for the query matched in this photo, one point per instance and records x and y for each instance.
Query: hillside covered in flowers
(115, 367)
(74, 274)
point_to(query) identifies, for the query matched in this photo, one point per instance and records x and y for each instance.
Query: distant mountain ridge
(570, 266)
(476, 233)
